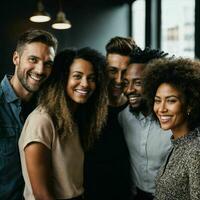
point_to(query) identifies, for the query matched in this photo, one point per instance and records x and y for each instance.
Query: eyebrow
(112, 66)
(93, 73)
(168, 97)
(50, 60)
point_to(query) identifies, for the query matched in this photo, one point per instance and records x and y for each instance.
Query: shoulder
(125, 113)
(193, 151)
(194, 146)
(38, 128)
(39, 122)
(3, 87)
(39, 116)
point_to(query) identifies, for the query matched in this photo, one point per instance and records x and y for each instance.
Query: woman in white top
(71, 111)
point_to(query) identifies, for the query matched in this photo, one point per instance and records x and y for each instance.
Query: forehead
(166, 89)
(134, 70)
(81, 65)
(117, 60)
(38, 48)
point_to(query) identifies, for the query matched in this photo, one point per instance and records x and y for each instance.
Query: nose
(84, 82)
(162, 107)
(130, 88)
(39, 68)
(118, 77)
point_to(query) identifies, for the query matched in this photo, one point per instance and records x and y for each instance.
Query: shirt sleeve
(37, 128)
(194, 174)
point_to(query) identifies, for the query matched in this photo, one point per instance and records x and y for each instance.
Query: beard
(141, 108)
(24, 80)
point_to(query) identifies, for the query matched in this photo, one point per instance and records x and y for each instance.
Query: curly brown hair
(181, 73)
(90, 116)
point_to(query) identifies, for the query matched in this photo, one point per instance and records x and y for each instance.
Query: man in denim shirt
(33, 61)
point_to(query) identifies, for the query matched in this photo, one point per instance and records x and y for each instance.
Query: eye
(77, 76)
(125, 82)
(32, 59)
(92, 78)
(171, 101)
(112, 71)
(138, 83)
(48, 64)
(157, 101)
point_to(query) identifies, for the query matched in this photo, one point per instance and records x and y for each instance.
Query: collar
(184, 139)
(7, 89)
(139, 115)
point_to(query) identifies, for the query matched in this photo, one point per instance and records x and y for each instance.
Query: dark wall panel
(93, 24)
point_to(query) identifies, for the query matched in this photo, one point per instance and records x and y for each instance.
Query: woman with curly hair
(171, 87)
(71, 112)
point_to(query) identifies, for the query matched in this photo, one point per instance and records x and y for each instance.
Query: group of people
(80, 125)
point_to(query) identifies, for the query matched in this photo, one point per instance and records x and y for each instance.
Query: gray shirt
(148, 145)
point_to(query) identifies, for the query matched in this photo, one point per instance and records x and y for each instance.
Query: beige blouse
(67, 156)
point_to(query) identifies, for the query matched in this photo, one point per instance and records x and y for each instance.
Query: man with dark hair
(120, 45)
(117, 53)
(148, 144)
(107, 167)
(33, 61)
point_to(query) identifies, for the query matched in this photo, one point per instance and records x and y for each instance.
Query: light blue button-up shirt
(148, 145)
(11, 180)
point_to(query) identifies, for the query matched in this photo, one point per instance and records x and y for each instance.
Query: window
(177, 30)
(138, 20)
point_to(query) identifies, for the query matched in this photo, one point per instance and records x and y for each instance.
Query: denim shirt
(11, 180)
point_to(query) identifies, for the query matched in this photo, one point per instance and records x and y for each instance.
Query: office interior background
(170, 25)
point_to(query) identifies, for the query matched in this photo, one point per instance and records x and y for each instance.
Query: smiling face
(170, 110)
(133, 84)
(33, 67)
(117, 65)
(81, 81)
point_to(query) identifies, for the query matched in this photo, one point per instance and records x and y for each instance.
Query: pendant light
(40, 15)
(61, 22)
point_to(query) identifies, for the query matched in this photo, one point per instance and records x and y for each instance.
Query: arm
(38, 162)
(194, 175)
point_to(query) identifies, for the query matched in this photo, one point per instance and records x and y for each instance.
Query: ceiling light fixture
(61, 22)
(40, 15)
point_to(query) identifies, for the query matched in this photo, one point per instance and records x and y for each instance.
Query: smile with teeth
(82, 92)
(133, 97)
(165, 119)
(117, 86)
(35, 77)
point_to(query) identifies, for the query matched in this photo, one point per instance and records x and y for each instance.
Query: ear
(16, 58)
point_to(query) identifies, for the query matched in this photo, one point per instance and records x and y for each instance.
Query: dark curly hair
(54, 99)
(144, 56)
(181, 73)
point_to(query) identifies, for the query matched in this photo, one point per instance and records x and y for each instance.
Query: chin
(135, 106)
(81, 101)
(165, 127)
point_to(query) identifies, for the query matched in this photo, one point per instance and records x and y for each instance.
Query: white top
(67, 156)
(148, 146)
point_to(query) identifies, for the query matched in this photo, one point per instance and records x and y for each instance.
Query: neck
(73, 106)
(117, 101)
(142, 108)
(180, 131)
(20, 91)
